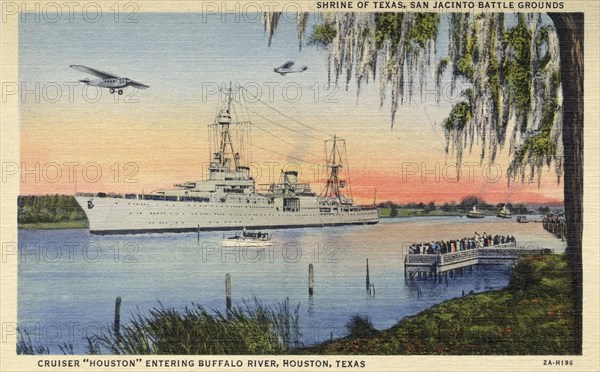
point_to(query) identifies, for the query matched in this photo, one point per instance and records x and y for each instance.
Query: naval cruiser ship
(228, 199)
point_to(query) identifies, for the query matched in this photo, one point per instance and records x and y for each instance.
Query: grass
(26, 347)
(248, 329)
(54, 225)
(533, 316)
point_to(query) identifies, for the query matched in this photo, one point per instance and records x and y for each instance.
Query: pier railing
(435, 264)
(468, 254)
(458, 256)
(556, 226)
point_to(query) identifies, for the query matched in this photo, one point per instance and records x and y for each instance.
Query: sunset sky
(157, 137)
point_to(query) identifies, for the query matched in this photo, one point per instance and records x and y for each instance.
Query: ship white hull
(109, 215)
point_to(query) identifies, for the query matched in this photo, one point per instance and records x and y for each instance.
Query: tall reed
(245, 329)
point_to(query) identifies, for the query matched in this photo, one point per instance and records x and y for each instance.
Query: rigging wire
(433, 127)
(283, 126)
(287, 142)
(284, 115)
(245, 110)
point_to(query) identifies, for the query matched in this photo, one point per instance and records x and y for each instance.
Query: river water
(68, 280)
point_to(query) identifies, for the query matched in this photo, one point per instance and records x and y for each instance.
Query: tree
(569, 28)
(544, 210)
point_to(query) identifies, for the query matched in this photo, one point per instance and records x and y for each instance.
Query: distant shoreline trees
(48, 209)
(464, 205)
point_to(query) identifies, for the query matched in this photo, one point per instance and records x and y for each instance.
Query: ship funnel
(291, 176)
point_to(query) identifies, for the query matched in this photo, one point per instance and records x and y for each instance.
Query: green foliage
(360, 327)
(323, 34)
(533, 316)
(388, 26)
(517, 70)
(493, 73)
(424, 28)
(430, 207)
(544, 210)
(460, 114)
(49, 209)
(540, 147)
(541, 42)
(465, 63)
(519, 209)
(257, 329)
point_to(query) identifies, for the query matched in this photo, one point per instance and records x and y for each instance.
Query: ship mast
(222, 159)
(332, 188)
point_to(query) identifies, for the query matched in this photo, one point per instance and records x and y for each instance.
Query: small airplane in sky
(287, 68)
(106, 80)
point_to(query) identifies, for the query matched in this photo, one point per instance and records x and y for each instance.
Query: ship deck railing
(181, 198)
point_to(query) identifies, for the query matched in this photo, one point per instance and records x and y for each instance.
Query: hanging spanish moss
(510, 76)
(537, 143)
(270, 22)
(301, 23)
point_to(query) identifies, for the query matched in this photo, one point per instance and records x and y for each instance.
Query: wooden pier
(420, 265)
(556, 226)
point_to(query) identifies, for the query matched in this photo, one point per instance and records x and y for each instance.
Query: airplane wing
(93, 71)
(135, 84)
(287, 64)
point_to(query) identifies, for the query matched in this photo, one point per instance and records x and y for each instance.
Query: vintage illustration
(299, 181)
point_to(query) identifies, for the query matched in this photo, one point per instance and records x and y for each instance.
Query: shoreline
(53, 225)
(83, 224)
(534, 308)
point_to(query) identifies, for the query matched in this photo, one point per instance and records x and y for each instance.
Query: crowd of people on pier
(477, 241)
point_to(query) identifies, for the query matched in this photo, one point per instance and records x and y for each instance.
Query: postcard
(300, 186)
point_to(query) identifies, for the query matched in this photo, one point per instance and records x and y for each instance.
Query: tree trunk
(570, 27)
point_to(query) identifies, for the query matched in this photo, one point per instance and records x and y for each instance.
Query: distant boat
(475, 213)
(504, 212)
(248, 239)
(522, 219)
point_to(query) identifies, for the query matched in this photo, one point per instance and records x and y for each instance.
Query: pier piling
(228, 292)
(368, 281)
(117, 322)
(311, 280)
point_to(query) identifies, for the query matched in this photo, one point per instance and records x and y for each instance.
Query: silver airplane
(286, 68)
(110, 81)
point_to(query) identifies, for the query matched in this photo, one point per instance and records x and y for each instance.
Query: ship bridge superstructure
(226, 175)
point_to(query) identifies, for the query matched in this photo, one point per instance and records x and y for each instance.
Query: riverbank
(80, 224)
(530, 317)
(45, 212)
